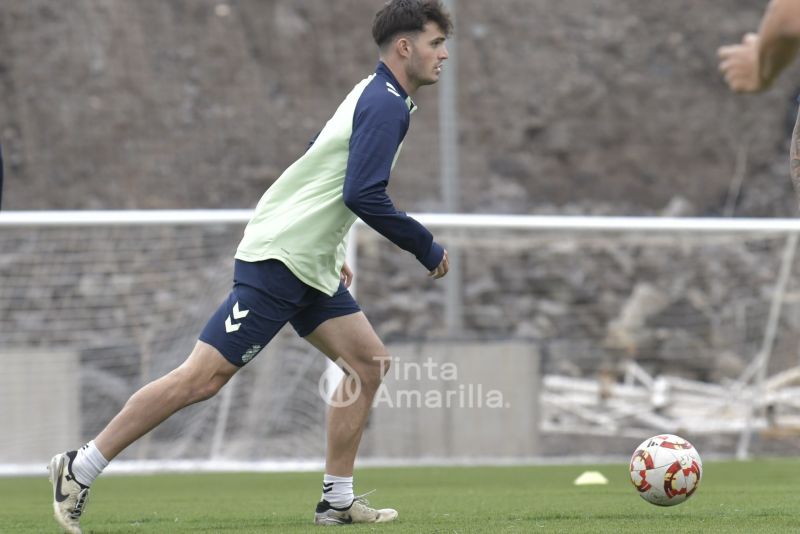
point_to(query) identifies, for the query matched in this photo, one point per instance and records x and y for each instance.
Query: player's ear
(403, 47)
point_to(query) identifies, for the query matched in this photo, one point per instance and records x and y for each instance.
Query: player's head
(414, 31)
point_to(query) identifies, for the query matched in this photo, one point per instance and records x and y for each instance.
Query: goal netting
(91, 313)
(615, 334)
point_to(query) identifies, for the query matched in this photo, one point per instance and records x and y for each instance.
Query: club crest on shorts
(251, 353)
(236, 314)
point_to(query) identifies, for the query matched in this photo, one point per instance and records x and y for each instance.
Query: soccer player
(290, 267)
(754, 64)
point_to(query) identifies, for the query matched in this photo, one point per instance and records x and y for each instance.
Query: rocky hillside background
(609, 106)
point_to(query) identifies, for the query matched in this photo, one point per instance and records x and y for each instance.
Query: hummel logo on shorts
(237, 314)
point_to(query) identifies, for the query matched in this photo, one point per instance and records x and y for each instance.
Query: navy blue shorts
(265, 296)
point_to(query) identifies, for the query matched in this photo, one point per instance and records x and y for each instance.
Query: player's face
(428, 54)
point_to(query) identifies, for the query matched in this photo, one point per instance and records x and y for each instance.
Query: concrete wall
(40, 404)
(457, 400)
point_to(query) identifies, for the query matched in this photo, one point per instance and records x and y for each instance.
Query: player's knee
(205, 389)
(195, 386)
(373, 371)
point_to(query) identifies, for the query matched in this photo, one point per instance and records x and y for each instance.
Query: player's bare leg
(352, 339)
(198, 378)
(203, 373)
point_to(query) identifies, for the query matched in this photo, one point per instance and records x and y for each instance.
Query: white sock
(338, 491)
(88, 464)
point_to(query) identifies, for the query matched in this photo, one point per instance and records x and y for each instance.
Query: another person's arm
(753, 65)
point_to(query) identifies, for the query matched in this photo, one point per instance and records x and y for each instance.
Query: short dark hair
(408, 16)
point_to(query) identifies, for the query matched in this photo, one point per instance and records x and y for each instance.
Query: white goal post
(433, 220)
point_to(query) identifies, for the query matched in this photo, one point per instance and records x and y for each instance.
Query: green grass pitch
(751, 497)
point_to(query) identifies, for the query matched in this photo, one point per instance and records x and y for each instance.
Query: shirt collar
(383, 70)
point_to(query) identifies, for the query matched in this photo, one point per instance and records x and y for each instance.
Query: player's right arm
(755, 63)
(379, 126)
(442, 268)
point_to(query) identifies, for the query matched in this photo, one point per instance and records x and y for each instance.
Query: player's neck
(396, 67)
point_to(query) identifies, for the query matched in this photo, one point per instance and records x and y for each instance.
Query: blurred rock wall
(609, 106)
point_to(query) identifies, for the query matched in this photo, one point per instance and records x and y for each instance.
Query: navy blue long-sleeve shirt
(380, 122)
(303, 218)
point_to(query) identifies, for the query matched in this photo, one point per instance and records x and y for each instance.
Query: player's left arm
(755, 63)
(346, 275)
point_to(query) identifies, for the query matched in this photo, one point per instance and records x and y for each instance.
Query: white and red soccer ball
(666, 470)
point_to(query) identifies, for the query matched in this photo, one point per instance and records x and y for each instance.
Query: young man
(753, 65)
(290, 268)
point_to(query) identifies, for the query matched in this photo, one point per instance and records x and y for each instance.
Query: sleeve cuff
(434, 256)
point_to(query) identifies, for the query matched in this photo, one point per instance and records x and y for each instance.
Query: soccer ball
(666, 470)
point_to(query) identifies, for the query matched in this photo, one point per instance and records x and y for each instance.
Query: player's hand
(739, 64)
(442, 269)
(346, 275)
